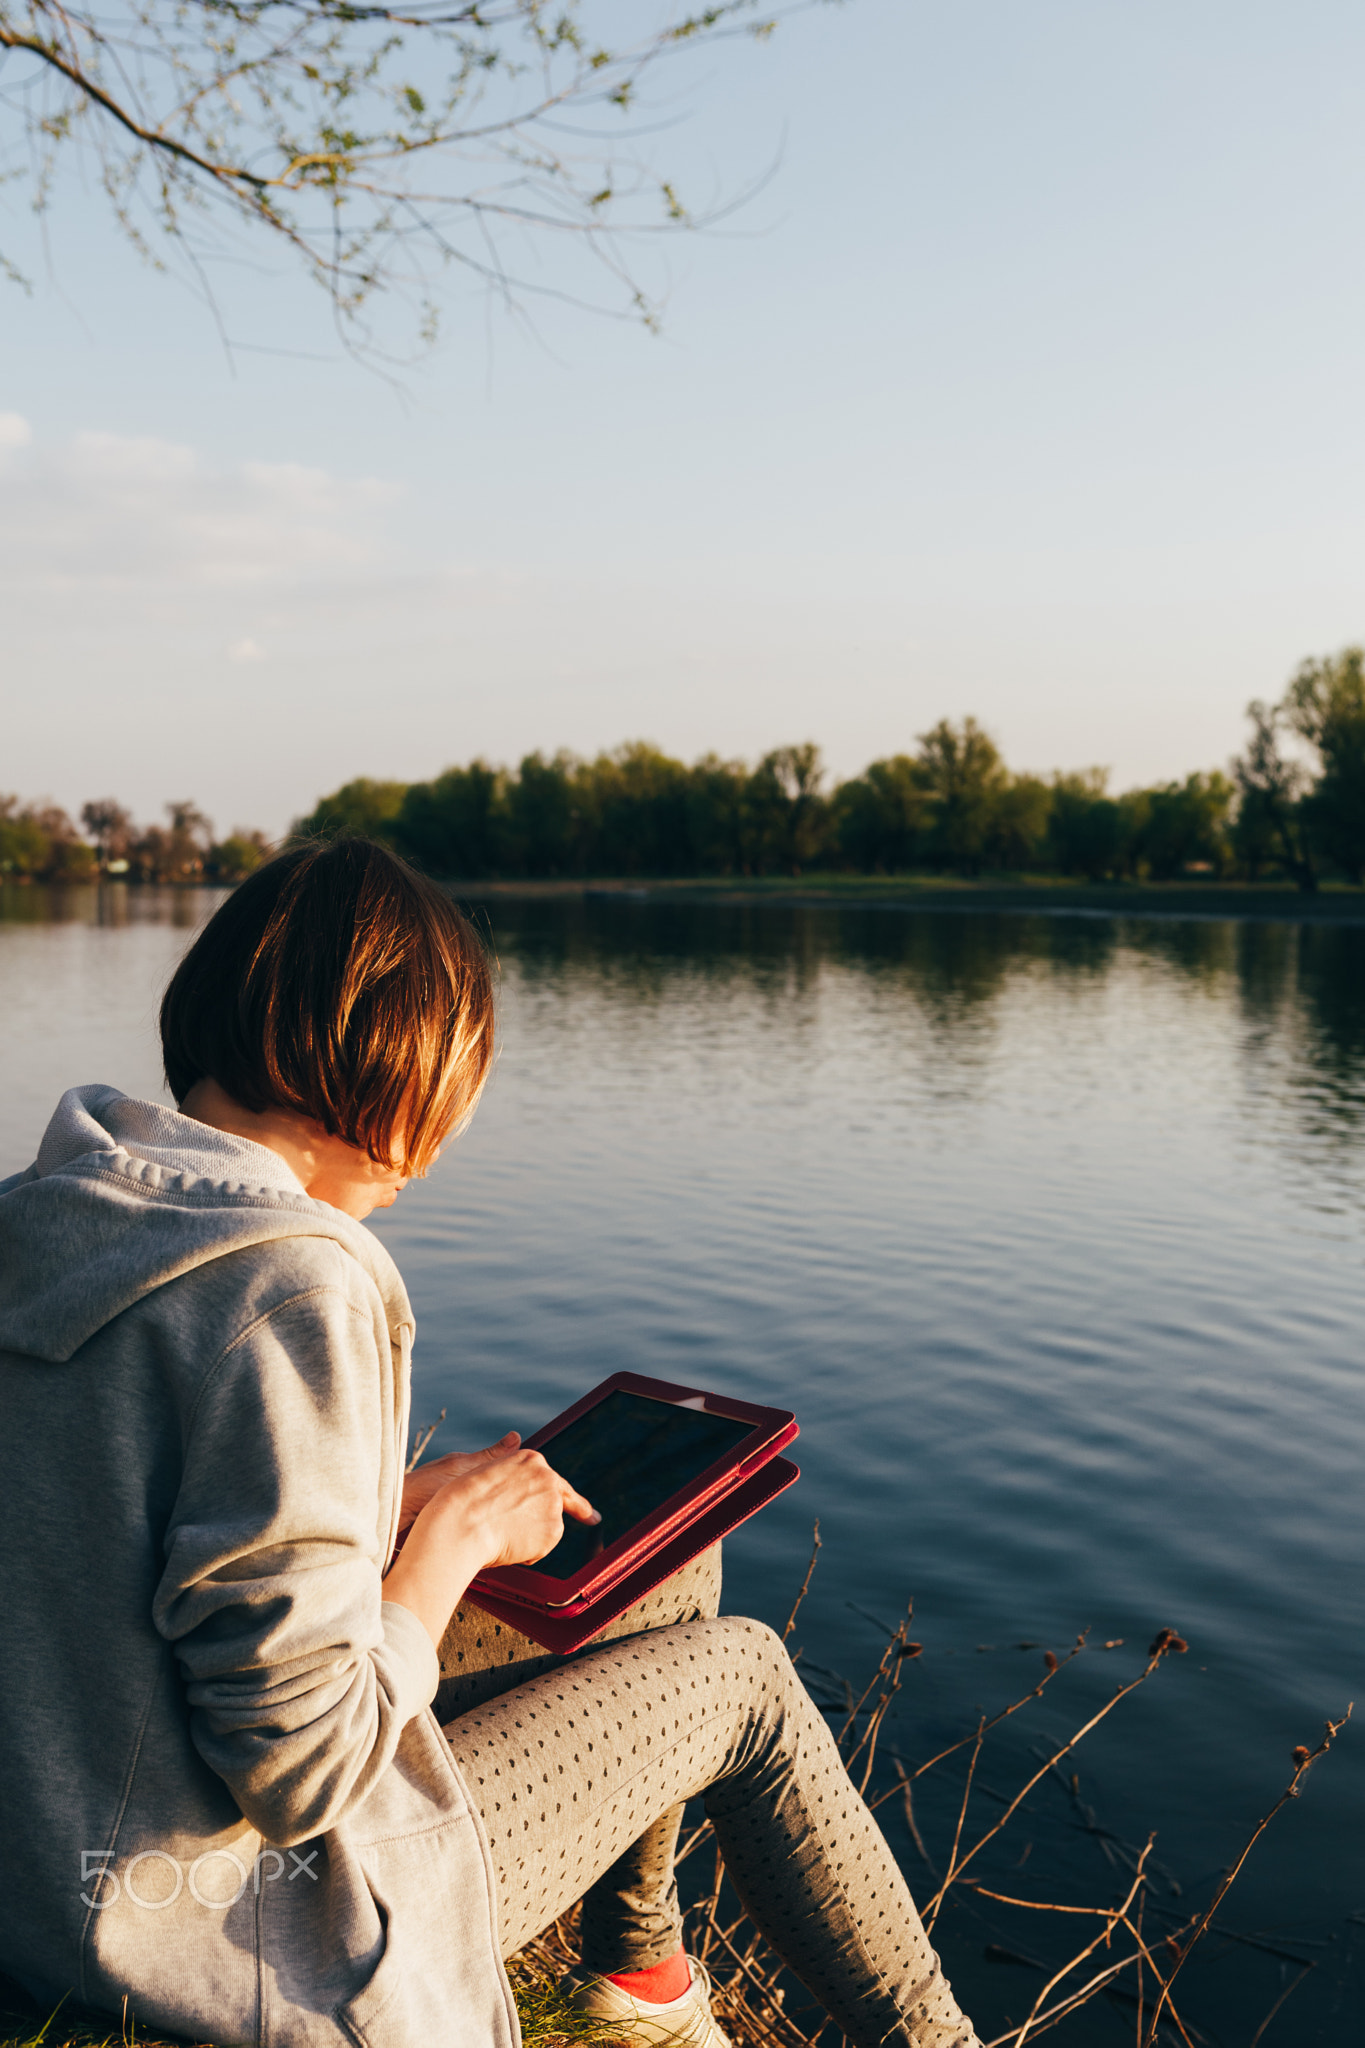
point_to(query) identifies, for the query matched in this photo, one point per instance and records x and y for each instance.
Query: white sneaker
(686, 2020)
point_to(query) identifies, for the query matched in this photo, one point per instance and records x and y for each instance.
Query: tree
(882, 815)
(1018, 831)
(549, 816)
(174, 853)
(69, 858)
(23, 843)
(363, 806)
(1085, 825)
(1270, 813)
(716, 822)
(1184, 825)
(239, 855)
(377, 144)
(786, 816)
(964, 777)
(111, 828)
(456, 824)
(1325, 705)
(625, 813)
(40, 842)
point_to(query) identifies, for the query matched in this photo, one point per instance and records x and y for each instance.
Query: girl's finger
(575, 1505)
(504, 1446)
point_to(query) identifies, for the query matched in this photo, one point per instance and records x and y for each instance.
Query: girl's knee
(762, 1646)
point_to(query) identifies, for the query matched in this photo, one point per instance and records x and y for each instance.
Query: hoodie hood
(126, 1195)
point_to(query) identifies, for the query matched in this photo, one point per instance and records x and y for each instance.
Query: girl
(223, 1790)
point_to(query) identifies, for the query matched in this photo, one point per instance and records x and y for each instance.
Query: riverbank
(119, 902)
(1033, 896)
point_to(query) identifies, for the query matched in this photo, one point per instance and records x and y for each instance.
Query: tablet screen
(627, 1456)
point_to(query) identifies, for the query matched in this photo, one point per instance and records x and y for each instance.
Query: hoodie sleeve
(299, 1677)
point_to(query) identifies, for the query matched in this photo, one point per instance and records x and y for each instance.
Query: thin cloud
(117, 511)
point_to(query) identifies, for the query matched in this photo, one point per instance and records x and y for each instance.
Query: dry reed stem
(1141, 1983)
(890, 1655)
(1071, 2003)
(816, 1547)
(931, 1911)
(1303, 1765)
(1034, 1693)
(889, 1673)
(1292, 1985)
(1160, 1649)
(1075, 2000)
(1105, 1935)
(422, 1439)
(771, 2011)
(908, 1801)
(1115, 1915)
(1144, 1955)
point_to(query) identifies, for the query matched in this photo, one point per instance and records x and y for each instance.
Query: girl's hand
(425, 1481)
(499, 1506)
(508, 1505)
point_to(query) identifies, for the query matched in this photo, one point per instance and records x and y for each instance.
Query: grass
(546, 2021)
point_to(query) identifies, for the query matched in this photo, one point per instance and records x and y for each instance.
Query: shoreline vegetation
(1291, 809)
(1289, 814)
(1123, 1930)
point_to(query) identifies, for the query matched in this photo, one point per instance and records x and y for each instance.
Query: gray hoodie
(222, 1790)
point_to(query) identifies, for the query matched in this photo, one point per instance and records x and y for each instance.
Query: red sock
(659, 1986)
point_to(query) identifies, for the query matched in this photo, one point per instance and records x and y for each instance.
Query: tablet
(650, 1456)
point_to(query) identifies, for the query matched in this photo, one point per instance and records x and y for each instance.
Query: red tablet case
(662, 1549)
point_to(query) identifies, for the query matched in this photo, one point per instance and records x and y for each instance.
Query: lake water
(1053, 1232)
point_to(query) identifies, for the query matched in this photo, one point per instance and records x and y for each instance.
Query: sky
(1028, 387)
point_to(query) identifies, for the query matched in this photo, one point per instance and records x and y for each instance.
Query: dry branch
(816, 1547)
(1304, 1760)
(422, 1439)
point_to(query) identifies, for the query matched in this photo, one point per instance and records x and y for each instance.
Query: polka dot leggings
(580, 1773)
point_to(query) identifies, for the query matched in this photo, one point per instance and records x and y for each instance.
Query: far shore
(1002, 895)
(1259, 902)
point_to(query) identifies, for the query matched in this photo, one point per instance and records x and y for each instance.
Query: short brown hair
(338, 982)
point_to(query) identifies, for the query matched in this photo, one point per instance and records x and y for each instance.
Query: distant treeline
(39, 842)
(951, 806)
(1293, 805)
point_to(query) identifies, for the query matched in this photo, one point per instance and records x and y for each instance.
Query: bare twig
(908, 1800)
(1166, 1641)
(423, 1438)
(816, 1547)
(1035, 1693)
(194, 108)
(932, 1911)
(1291, 1986)
(1104, 1935)
(1304, 1760)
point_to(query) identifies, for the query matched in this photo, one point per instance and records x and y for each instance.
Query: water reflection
(1298, 989)
(1301, 982)
(111, 904)
(939, 995)
(952, 964)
